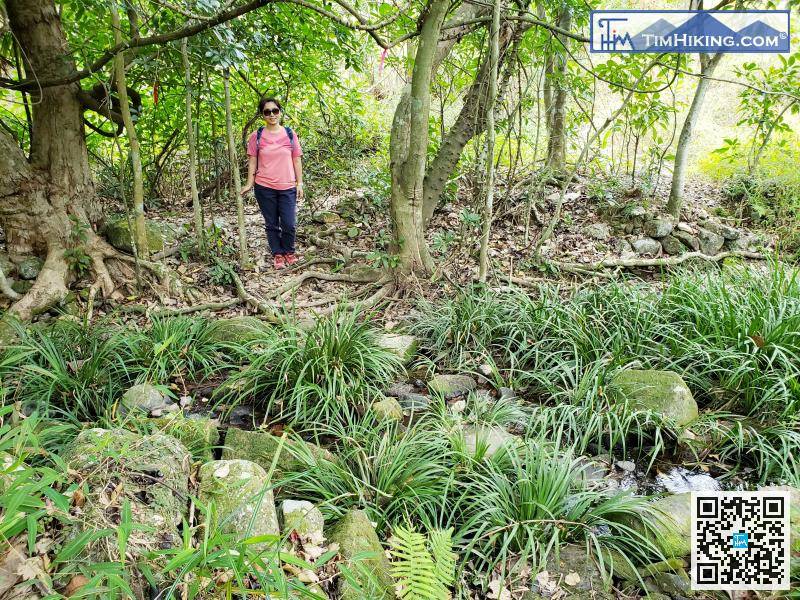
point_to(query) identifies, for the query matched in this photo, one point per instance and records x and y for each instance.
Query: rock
(726, 231)
(598, 231)
(685, 227)
(794, 515)
(622, 246)
(145, 397)
(388, 409)
(710, 242)
(404, 346)
(647, 246)
(325, 216)
(626, 465)
(658, 227)
(412, 401)
(746, 241)
(452, 385)
(220, 224)
(150, 473)
(305, 519)
(507, 393)
(199, 434)
(672, 525)
(118, 233)
(29, 267)
(6, 264)
(241, 414)
(240, 490)
(238, 329)
(663, 392)
(398, 389)
(674, 584)
(591, 473)
(687, 239)
(672, 245)
(21, 286)
(575, 572)
(486, 440)
(260, 448)
(358, 542)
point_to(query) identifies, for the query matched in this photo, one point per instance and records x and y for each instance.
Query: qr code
(740, 540)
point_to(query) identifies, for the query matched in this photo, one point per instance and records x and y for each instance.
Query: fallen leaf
(75, 584)
(572, 579)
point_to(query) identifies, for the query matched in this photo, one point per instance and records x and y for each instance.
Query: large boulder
(260, 447)
(149, 473)
(118, 233)
(361, 549)
(452, 385)
(663, 392)
(404, 346)
(670, 527)
(199, 434)
(242, 496)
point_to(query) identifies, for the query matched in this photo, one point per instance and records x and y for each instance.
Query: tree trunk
(236, 182)
(44, 199)
(139, 231)
(488, 207)
(471, 121)
(408, 149)
(556, 115)
(675, 202)
(198, 211)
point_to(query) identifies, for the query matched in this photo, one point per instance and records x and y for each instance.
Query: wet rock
(199, 434)
(358, 541)
(240, 415)
(412, 401)
(647, 246)
(145, 397)
(626, 465)
(672, 245)
(238, 329)
(658, 227)
(679, 480)
(726, 231)
(598, 231)
(452, 385)
(240, 490)
(305, 519)
(687, 239)
(29, 267)
(260, 448)
(118, 234)
(671, 526)
(388, 409)
(591, 472)
(486, 440)
(149, 473)
(663, 392)
(404, 346)
(710, 242)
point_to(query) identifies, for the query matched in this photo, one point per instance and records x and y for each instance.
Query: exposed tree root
(346, 253)
(369, 276)
(6, 289)
(49, 289)
(369, 302)
(185, 310)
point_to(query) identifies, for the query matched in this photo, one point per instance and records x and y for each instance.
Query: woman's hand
(247, 188)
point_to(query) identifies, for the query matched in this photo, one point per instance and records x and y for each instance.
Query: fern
(423, 569)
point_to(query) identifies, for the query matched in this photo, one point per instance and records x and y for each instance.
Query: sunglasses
(271, 111)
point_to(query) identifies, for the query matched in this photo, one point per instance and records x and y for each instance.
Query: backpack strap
(258, 143)
(290, 133)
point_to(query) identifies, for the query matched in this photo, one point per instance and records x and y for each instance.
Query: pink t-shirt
(275, 165)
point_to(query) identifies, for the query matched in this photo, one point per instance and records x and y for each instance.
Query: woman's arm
(298, 174)
(251, 174)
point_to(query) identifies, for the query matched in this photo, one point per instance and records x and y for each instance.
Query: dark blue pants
(279, 208)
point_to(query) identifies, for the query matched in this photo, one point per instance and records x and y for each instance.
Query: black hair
(263, 102)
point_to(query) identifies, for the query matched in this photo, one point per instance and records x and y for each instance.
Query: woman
(275, 173)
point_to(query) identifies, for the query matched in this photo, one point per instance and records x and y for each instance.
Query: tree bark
(556, 115)
(139, 230)
(408, 149)
(236, 182)
(488, 207)
(471, 121)
(198, 211)
(707, 66)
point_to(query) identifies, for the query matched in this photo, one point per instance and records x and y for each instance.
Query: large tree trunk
(408, 149)
(557, 109)
(707, 66)
(43, 199)
(471, 120)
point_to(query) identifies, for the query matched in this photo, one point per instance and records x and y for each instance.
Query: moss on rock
(242, 497)
(388, 409)
(663, 392)
(361, 549)
(403, 346)
(118, 233)
(671, 526)
(238, 329)
(199, 435)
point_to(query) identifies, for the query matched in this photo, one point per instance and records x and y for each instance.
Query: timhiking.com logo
(707, 31)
